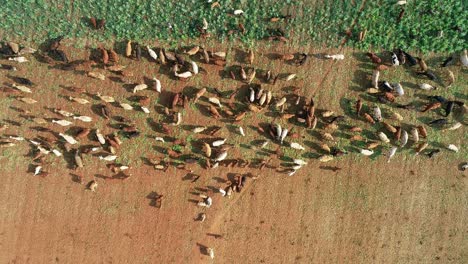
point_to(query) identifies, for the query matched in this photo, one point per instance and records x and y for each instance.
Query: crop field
(352, 209)
(432, 25)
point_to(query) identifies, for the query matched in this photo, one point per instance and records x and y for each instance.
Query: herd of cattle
(255, 99)
(294, 110)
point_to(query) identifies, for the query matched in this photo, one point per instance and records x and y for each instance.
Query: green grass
(133, 149)
(312, 21)
(419, 28)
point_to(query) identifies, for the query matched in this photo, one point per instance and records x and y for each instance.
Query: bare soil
(411, 210)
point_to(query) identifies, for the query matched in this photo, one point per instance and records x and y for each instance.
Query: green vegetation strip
(431, 25)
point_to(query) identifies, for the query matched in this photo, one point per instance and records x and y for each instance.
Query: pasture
(433, 25)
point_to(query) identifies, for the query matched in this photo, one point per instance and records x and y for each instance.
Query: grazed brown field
(409, 211)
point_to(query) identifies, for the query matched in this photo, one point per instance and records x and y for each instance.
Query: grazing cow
(395, 61)
(207, 201)
(326, 158)
(398, 133)
(183, 75)
(238, 12)
(422, 65)
(21, 80)
(429, 74)
(92, 185)
(194, 67)
(126, 106)
(411, 60)
(383, 137)
(464, 58)
(210, 252)
(427, 87)
(433, 152)
(108, 158)
(447, 61)
(451, 79)
(105, 111)
(8, 67)
(68, 138)
(391, 153)
(57, 153)
(452, 148)
(207, 149)
(83, 133)
(14, 47)
(375, 78)
(399, 89)
(369, 118)
(199, 94)
(215, 101)
(280, 102)
(138, 52)
(128, 49)
(437, 98)
(100, 137)
(366, 152)
(422, 146)
(404, 138)
(250, 57)
(327, 136)
(295, 145)
(105, 98)
(152, 53)
(101, 23)
(449, 108)
(37, 170)
(104, 55)
(438, 122)
(221, 156)
(389, 127)
(400, 54)
(422, 131)
(385, 86)
(302, 59)
(375, 59)
(358, 106)
(283, 135)
(377, 114)
(62, 122)
(415, 134)
(27, 100)
(83, 118)
(201, 217)
(96, 75)
(113, 56)
(241, 131)
(431, 106)
(139, 87)
(78, 160)
(18, 59)
(335, 56)
(158, 201)
(455, 126)
(464, 166)
(62, 112)
(400, 16)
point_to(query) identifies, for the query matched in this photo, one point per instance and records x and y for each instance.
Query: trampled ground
(410, 210)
